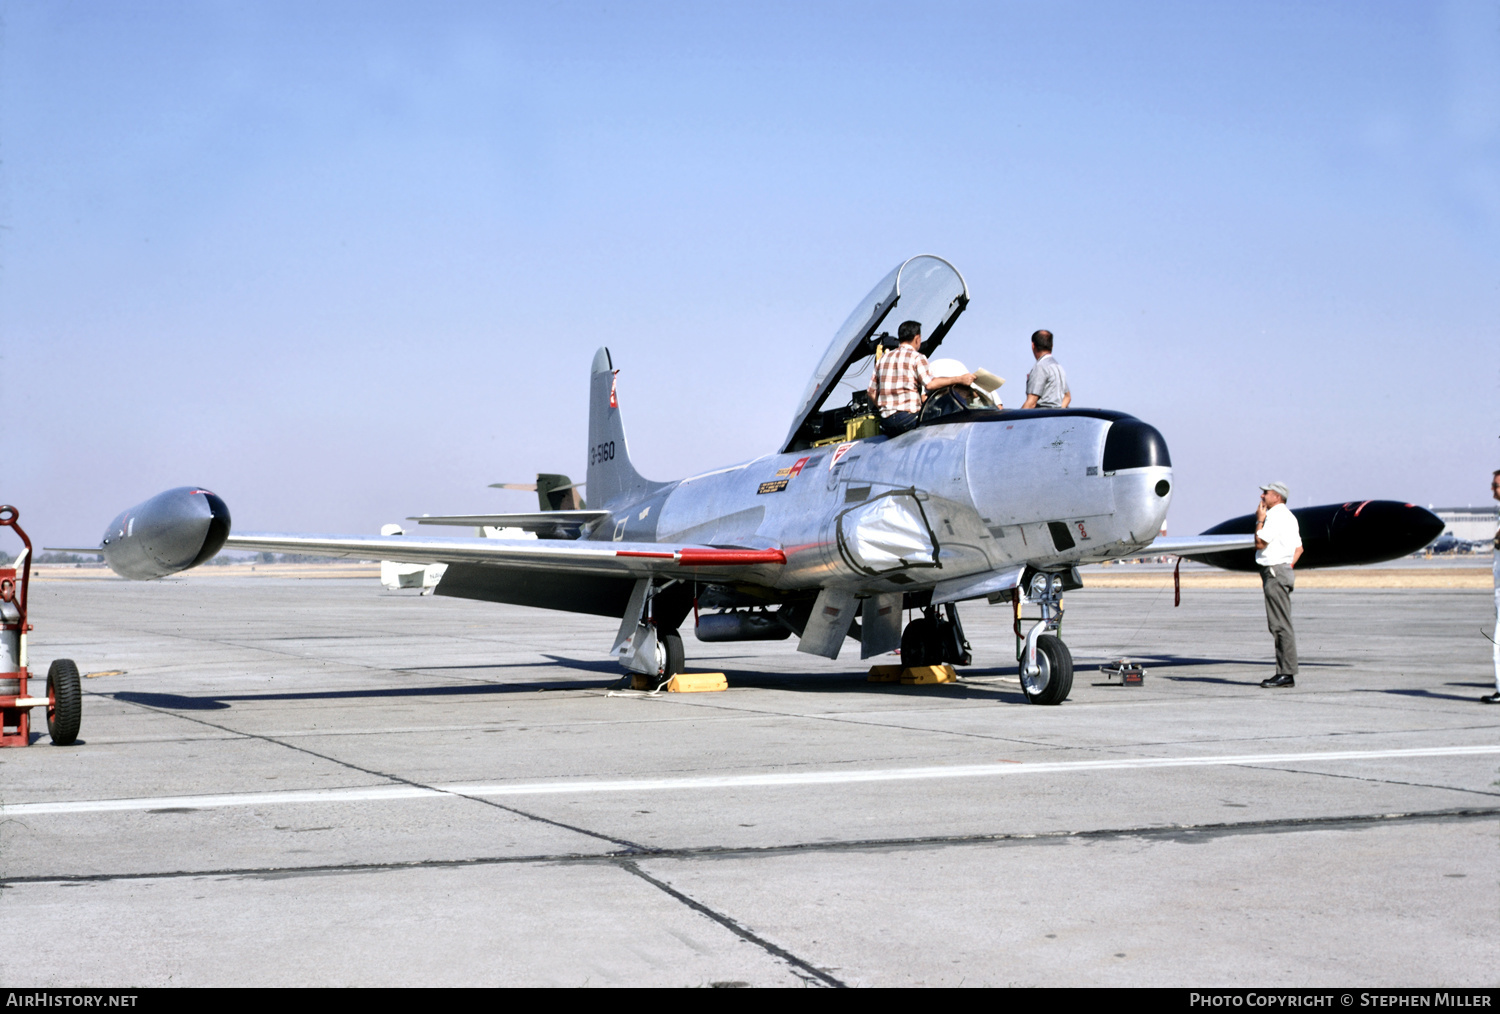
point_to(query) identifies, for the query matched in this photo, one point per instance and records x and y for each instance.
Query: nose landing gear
(1046, 663)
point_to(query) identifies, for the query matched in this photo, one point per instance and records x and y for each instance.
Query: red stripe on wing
(712, 557)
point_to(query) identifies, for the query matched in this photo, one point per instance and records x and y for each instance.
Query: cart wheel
(64, 702)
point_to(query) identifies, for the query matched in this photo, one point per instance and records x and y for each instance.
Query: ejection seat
(945, 401)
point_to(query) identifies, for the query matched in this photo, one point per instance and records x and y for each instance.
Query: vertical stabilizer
(556, 492)
(611, 477)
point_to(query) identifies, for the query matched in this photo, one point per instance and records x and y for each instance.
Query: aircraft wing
(609, 559)
(1194, 545)
(564, 523)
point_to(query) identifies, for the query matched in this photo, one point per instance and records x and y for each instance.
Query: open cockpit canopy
(926, 289)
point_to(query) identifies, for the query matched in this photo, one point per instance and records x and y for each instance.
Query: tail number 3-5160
(602, 452)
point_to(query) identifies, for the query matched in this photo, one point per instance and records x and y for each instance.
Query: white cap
(947, 368)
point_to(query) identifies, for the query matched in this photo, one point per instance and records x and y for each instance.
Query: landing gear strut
(648, 643)
(934, 639)
(1046, 663)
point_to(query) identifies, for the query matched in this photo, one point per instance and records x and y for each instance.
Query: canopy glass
(927, 289)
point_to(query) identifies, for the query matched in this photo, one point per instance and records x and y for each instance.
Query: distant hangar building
(1472, 524)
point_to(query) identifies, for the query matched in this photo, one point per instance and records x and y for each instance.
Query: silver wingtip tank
(168, 533)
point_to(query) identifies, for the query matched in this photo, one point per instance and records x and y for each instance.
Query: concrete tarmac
(317, 782)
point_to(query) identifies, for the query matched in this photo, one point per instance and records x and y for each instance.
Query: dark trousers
(1277, 583)
(897, 423)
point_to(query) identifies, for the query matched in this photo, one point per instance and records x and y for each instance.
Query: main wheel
(64, 702)
(671, 656)
(1053, 680)
(917, 643)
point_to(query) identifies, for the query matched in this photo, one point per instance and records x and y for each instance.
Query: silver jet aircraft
(842, 533)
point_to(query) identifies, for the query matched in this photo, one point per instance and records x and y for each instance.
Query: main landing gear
(1046, 663)
(935, 638)
(670, 659)
(648, 644)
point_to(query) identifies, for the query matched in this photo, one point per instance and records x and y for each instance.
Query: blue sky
(343, 263)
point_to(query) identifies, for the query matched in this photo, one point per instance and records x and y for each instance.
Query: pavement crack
(1175, 832)
(806, 970)
(634, 848)
(1365, 778)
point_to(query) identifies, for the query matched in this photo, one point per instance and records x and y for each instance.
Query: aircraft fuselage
(971, 494)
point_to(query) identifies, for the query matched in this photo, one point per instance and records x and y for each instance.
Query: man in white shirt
(1278, 547)
(1494, 698)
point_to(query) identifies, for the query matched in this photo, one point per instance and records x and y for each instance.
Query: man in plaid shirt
(900, 379)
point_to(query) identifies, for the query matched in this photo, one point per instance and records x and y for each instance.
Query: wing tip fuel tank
(1340, 535)
(166, 534)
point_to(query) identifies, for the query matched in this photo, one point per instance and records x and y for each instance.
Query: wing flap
(638, 559)
(529, 522)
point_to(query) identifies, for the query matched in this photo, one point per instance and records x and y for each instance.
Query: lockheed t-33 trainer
(842, 533)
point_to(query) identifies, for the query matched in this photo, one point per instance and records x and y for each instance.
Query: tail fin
(557, 493)
(611, 477)
(554, 492)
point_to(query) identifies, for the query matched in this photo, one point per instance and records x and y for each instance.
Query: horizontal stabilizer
(565, 524)
(531, 487)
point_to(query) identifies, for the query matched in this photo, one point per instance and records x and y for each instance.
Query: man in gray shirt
(1046, 384)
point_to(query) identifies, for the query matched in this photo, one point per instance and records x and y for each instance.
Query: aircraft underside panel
(572, 593)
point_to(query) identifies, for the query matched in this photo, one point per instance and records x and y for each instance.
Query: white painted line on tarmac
(392, 793)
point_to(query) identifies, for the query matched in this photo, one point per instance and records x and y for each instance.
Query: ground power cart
(64, 700)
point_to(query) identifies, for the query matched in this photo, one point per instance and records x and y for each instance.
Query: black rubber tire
(676, 658)
(917, 647)
(1053, 655)
(64, 702)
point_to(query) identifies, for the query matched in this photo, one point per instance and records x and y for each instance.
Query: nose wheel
(1050, 679)
(1046, 664)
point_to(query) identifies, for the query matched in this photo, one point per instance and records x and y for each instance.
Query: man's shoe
(1279, 681)
(1490, 699)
